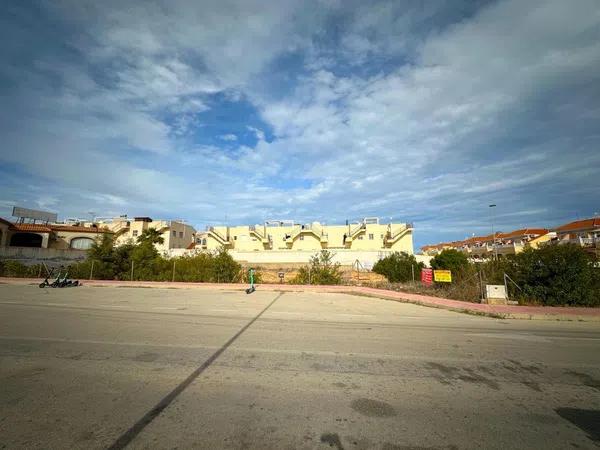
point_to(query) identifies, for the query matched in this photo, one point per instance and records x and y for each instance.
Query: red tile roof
(79, 229)
(30, 227)
(41, 228)
(523, 232)
(585, 224)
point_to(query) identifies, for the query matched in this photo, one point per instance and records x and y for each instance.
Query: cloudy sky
(240, 111)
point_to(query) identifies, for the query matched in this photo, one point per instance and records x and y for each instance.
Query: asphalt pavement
(182, 368)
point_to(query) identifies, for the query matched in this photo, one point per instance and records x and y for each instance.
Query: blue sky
(239, 111)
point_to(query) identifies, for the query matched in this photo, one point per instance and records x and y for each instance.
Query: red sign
(427, 276)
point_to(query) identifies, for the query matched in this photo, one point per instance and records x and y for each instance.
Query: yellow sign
(442, 276)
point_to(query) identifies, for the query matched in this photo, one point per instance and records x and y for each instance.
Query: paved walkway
(499, 311)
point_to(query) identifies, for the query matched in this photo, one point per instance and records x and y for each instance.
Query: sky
(235, 112)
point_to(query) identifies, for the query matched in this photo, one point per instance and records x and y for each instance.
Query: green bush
(398, 267)
(322, 270)
(19, 270)
(455, 261)
(557, 275)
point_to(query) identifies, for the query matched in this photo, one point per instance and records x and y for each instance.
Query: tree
(557, 275)
(150, 235)
(322, 270)
(224, 268)
(102, 250)
(453, 260)
(398, 267)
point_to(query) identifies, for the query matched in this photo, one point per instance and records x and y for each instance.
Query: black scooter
(46, 282)
(60, 282)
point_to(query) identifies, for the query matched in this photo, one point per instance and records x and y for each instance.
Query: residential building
(585, 233)
(49, 235)
(501, 244)
(175, 233)
(289, 236)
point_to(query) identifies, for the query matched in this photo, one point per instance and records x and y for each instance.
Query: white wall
(343, 256)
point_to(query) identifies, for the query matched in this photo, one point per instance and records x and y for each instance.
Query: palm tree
(151, 236)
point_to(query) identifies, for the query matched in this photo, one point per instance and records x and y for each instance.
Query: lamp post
(493, 234)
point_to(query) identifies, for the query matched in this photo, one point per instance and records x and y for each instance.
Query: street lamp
(493, 234)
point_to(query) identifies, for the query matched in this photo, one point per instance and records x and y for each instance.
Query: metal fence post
(92, 270)
(132, 270)
(412, 269)
(173, 270)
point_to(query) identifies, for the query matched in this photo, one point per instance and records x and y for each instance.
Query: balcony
(314, 229)
(393, 235)
(223, 240)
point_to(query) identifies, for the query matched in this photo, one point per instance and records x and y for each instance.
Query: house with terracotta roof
(518, 240)
(53, 236)
(499, 243)
(585, 233)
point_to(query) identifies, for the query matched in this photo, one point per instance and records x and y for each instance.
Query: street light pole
(493, 234)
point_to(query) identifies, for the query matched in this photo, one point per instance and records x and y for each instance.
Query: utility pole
(493, 234)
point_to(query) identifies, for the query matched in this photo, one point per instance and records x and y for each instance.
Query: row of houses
(80, 235)
(274, 236)
(585, 233)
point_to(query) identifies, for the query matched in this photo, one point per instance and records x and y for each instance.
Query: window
(82, 243)
(235, 238)
(371, 237)
(174, 233)
(382, 236)
(301, 237)
(360, 238)
(181, 234)
(135, 233)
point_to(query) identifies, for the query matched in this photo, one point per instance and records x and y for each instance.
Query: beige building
(176, 234)
(289, 236)
(49, 236)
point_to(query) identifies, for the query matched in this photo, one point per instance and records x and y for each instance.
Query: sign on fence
(426, 276)
(442, 276)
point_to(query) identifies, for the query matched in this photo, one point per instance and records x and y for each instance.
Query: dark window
(26, 240)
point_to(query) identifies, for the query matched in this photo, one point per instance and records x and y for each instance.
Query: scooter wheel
(42, 285)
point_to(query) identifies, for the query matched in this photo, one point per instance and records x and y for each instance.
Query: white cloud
(228, 137)
(443, 121)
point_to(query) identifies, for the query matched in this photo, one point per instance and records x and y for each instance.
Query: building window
(134, 233)
(301, 237)
(174, 233)
(235, 238)
(382, 236)
(181, 234)
(360, 238)
(82, 243)
(371, 237)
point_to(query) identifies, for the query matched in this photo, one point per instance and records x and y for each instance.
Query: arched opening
(26, 240)
(82, 243)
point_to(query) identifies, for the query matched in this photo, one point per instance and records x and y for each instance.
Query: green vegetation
(557, 275)
(106, 261)
(321, 270)
(399, 267)
(552, 275)
(454, 261)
